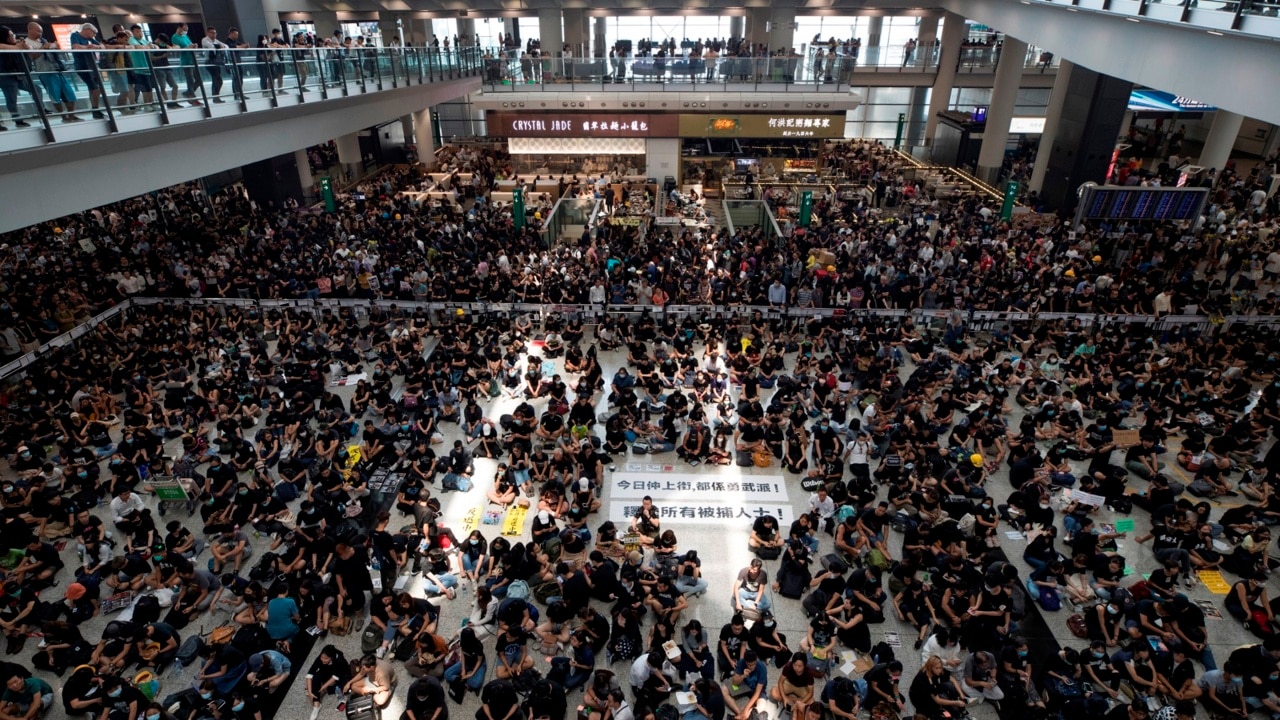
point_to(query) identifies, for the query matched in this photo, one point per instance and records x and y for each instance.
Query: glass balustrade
(836, 70)
(70, 95)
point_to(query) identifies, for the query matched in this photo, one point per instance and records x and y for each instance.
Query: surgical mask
(1237, 680)
(206, 696)
(1022, 653)
(114, 693)
(237, 707)
(153, 716)
(1099, 654)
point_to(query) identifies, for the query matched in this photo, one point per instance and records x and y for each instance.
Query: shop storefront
(685, 149)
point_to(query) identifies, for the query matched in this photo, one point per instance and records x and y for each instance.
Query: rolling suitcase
(362, 708)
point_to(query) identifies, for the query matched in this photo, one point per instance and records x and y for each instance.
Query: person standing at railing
(182, 41)
(235, 42)
(52, 67)
(116, 64)
(215, 59)
(141, 79)
(276, 57)
(12, 77)
(84, 44)
(166, 83)
(302, 45)
(710, 57)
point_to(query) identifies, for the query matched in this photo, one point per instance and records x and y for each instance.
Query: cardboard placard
(1126, 438)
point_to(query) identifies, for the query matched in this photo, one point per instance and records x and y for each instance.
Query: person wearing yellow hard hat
(975, 460)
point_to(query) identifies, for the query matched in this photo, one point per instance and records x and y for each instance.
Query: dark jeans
(9, 86)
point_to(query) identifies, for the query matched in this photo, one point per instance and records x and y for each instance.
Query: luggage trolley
(174, 490)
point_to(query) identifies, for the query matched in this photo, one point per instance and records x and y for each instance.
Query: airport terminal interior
(679, 360)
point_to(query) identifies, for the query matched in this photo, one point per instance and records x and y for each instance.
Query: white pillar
(574, 35)
(303, 161)
(871, 50)
(326, 22)
(952, 36)
(423, 137)
(928, 33)
(758, 26)
(782, 29)
(1053, 114)
(550, 33)
(737, 24)
(349, 153)
(1000, 113)
(1222, 137)
(466, 32)
(599, 39)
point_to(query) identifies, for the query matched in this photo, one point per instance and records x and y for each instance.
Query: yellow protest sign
(513, 526)
(1213, 580)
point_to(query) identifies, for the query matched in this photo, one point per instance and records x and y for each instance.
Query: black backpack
(882, 653)
(146, 610)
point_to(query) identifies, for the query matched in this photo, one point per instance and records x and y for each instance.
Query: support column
(574, 31)
(326, 23)
(1093, 108)
(737, 24)
(349, 153)
(303, 162)
(549, 31)
(914, 135)
(948, 59)
(511, 28)
(599, 41)
(249, 15)
(758, 26)
(1000, 113)
(1053, 115)
(389, 28)
(871, 51)
(1222, 137)
(423, 137)
(272, 181)
(927, 34)
(466, 32)
(782, 28)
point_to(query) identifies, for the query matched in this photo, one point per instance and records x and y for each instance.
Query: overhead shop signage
(1160, 101)
(581, 125)
(763, 126)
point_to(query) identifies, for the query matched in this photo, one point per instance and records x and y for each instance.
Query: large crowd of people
(916, 448)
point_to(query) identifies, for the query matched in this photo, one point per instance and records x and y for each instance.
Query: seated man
(375, 677)
(746, 686)
(750, 589)
(766, 538)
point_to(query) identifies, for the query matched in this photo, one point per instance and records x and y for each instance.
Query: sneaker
(99, 115)
(382, 652)
(315, 712)
(22, 123)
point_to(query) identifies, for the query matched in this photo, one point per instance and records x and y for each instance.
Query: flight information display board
(1116, 202)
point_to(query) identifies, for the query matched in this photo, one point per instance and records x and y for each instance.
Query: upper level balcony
(61, 97)
(1251, 17)
(836, 71)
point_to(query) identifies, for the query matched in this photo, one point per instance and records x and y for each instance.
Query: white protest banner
(686, 486)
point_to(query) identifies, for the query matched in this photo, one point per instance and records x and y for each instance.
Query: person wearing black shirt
(425, 701)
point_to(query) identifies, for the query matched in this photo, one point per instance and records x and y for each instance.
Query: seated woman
(504, 487)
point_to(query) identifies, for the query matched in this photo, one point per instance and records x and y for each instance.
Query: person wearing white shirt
(123, 505)
(944, 647)
(824, 507)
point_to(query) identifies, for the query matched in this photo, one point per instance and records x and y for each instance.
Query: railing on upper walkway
(511, 70)
(70, 95)
(1261, 17)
